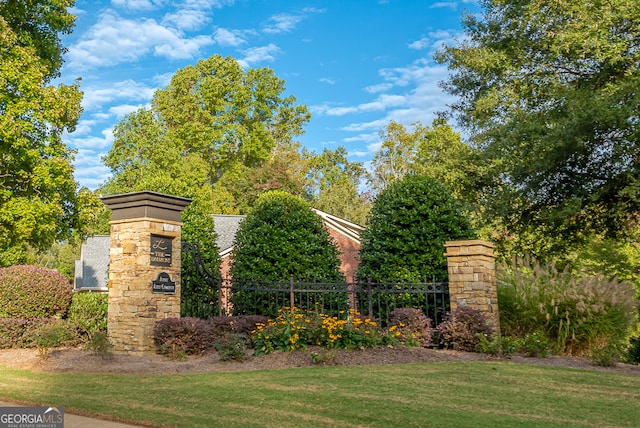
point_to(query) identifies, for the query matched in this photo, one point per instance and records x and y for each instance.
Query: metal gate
(200, 284)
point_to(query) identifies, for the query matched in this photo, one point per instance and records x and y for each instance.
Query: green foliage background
(405, 234)
(282, 237)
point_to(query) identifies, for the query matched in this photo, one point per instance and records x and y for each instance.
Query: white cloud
(91, 142)
(89, 170)
(162, 80)
(382, 103)
(122, 110)
(128, 89)
(282, 23)
(182, 48)
(327, 81)
(286, 22)
(83, 127)
(259, 54)
(101, 116)
(114, 40)
(137, 4)
(187, 19)
(450, 4)
(380, 87)
(225, 37)
(374, 125)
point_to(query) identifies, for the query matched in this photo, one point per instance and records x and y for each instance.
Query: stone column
(144, 267)
(472, 278)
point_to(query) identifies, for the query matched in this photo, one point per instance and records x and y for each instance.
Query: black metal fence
(372, 299)
(206, 294)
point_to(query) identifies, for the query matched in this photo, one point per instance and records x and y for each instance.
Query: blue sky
(356, 64)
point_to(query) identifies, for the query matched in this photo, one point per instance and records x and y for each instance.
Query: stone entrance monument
(144, 267)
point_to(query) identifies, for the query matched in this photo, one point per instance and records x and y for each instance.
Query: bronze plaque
(161, 250)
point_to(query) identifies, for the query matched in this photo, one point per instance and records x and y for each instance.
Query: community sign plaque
(161, 248)
(163, 284)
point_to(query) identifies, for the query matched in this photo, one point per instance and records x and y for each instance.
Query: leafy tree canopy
(282, 237)
(550, 93)
(333, 185)
(208, 129)
(436, 151)
(37, 24)
(37, 189)
(405, 233)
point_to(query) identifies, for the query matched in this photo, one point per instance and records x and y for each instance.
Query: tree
(550, 94)
(228, 116)
(436, 151)
(405, 234)
(36, 24)
(37, 189)
(285, 170)
(395, 158)
(282, 237)
(334, 183)
(214, 121)
(281, 240)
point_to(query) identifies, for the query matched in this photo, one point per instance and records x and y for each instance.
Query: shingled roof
(226, 227)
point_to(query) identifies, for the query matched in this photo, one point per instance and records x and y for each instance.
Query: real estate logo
(31, 417)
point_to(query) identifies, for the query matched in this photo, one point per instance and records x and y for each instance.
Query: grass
(461, 394)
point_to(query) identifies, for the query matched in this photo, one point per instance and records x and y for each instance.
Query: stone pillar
(144, 267)
(472, 278)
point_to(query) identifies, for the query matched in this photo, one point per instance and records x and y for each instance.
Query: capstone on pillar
(144, 267)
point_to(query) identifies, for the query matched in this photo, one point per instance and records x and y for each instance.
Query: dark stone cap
(145, 204)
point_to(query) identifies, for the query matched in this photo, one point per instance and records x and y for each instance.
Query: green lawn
(444, 394)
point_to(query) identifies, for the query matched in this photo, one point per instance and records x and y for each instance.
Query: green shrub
(504, 345)
(409, 223)
(413, 325)
(232, 347)
(188, 336)
(12, 332)
(33, 292)
(632, 354)
(606, 356)
(534, 344)
(99, 344)
(576, 314)
(53, 333)
(88, 311)
(35, 332)
(281, 238)
(461, 328)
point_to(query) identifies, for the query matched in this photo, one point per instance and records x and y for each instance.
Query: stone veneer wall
(133, 308)
(472, 278)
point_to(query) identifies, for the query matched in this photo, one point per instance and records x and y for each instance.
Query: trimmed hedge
(88, 311)
(28, 333)
(33, 292)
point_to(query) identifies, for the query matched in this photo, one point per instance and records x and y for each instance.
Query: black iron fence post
(370, 296)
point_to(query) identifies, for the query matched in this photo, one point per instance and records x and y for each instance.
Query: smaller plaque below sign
(163, 284)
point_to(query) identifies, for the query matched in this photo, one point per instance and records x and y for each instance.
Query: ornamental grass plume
(576, 313)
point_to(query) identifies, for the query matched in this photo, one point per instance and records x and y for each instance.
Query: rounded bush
(33, 292)
(461, 328)
(88, 311)
(409, 223)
